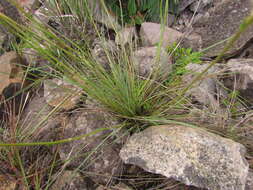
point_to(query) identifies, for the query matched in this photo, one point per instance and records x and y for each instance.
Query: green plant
(138, 11)
(181, 58)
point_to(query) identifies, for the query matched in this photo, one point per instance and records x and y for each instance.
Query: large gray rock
(221, 22)
(190, 155)
(147, 62)
(240, 77)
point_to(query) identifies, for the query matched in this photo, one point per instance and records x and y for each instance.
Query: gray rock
(240, 77)
(222, 21)
(150, 35)
(92, 154)
(146, 63)
(206, 90)
(190, 155)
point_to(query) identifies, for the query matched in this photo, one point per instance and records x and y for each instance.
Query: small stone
(147, 63)
(190, 155)
(150, 34)
(62, 94)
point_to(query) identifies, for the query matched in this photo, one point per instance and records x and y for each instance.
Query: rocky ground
(216, 155)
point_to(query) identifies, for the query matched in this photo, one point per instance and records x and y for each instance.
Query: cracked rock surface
(190, 155)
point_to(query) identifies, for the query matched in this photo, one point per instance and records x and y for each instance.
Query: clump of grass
(120, 90)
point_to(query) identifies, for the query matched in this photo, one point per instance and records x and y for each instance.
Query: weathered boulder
(240, 77)
(61, 94)
(190, 155)
(221, 22)
(146, 62)
(92, 154)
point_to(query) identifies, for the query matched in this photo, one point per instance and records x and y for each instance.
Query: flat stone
(221, 22)
(61, 94)
(190, 155)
